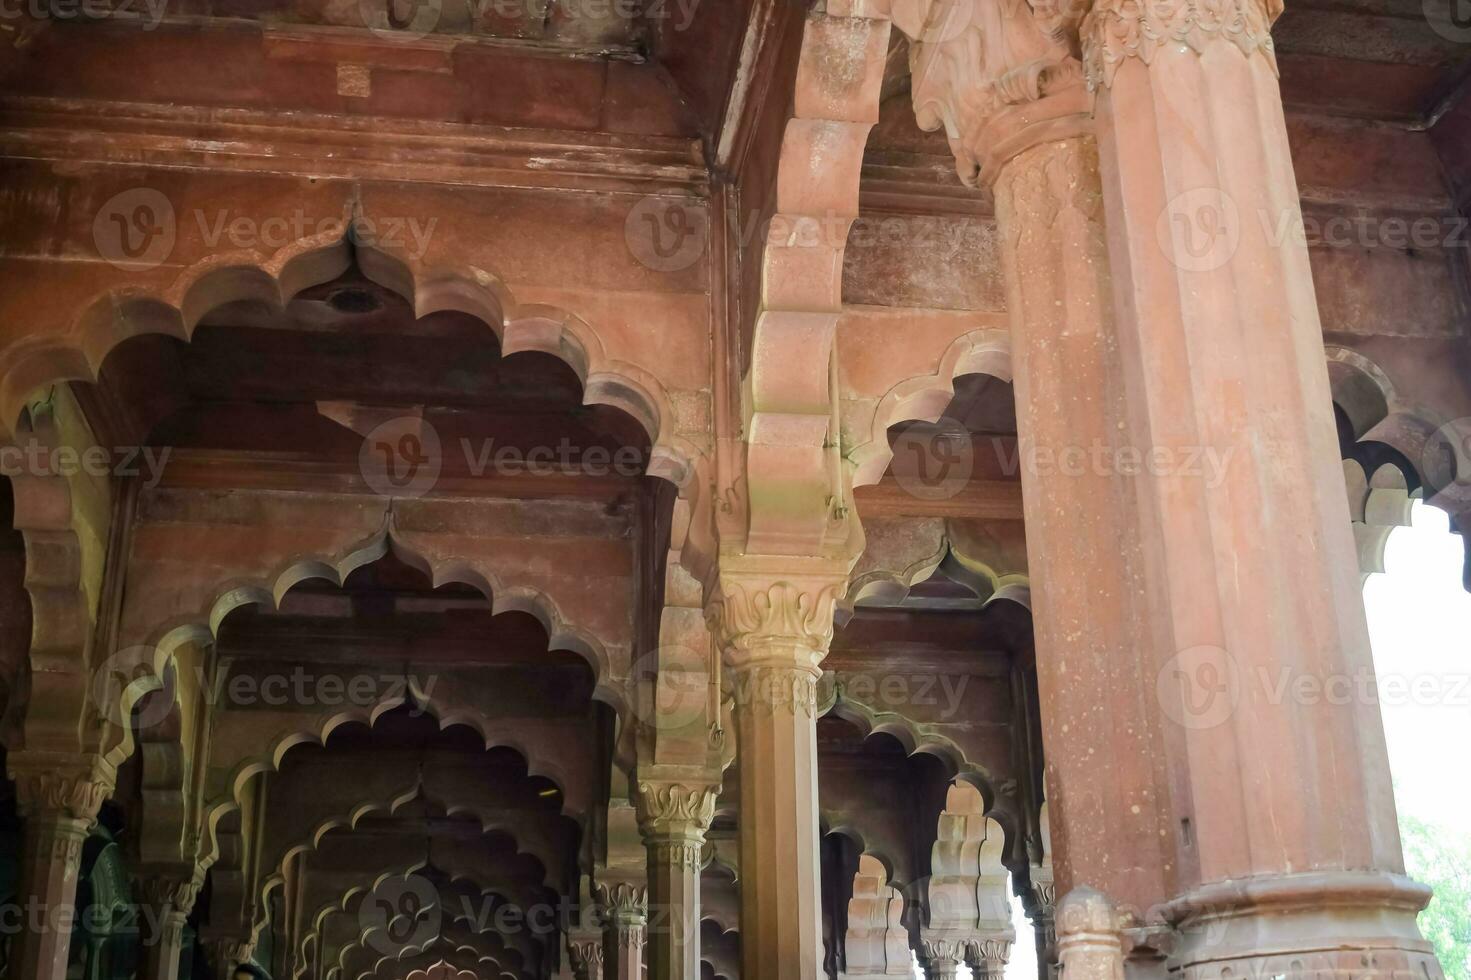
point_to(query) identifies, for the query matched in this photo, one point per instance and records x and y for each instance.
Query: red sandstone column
(625, 909)
(165, 898)
(774, 630)
(58, 797)
(1284, 831)
(673, 818)
(1187, 533)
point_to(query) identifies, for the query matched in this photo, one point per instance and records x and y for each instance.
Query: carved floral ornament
(761, 620)
(672, 807)
(71, 789)
(1003, 75)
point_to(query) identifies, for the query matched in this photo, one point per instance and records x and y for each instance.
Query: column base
(1315, 924)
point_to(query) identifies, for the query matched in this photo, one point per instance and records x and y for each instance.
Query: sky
(1420, 629)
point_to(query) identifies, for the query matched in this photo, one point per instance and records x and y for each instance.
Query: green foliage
(1440, 856)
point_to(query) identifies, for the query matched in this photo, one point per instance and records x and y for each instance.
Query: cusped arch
(490, 823)
(925, 397)
(102, 322)
(136, 671)
(915, 737)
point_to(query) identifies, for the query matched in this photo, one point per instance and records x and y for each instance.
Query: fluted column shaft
(774, 630)
(673, 818)
(1249, 565)
(58, 798)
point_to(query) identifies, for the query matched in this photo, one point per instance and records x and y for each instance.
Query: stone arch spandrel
(884, 383)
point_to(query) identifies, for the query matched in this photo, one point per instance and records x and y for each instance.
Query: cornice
(344, 147)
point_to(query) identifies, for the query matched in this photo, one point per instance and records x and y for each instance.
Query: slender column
(673, 818)
(58, 797)
(625, 908)
(165, 898)
(586, 956)
(1286, 836)
(774, 630)
(1042, 910)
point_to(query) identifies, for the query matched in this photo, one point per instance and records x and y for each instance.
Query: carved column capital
(675, 814)
(1116, 30)
(988, 956)
(232, 952)
(586, 956)
(60, 785)
(999, 77)
(623, 902)
(170, 891)
(942, 956)
(770, 617)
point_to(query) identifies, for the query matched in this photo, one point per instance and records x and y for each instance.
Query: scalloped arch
(489, 824)
(119, 314)
(925, 397)
(145, 666)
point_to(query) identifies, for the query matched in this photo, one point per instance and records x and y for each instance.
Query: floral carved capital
(71, 788)
(175, 893)
(624, 902)
(586, 956)
(676, 811)
(756, 620)
(1116, 30)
